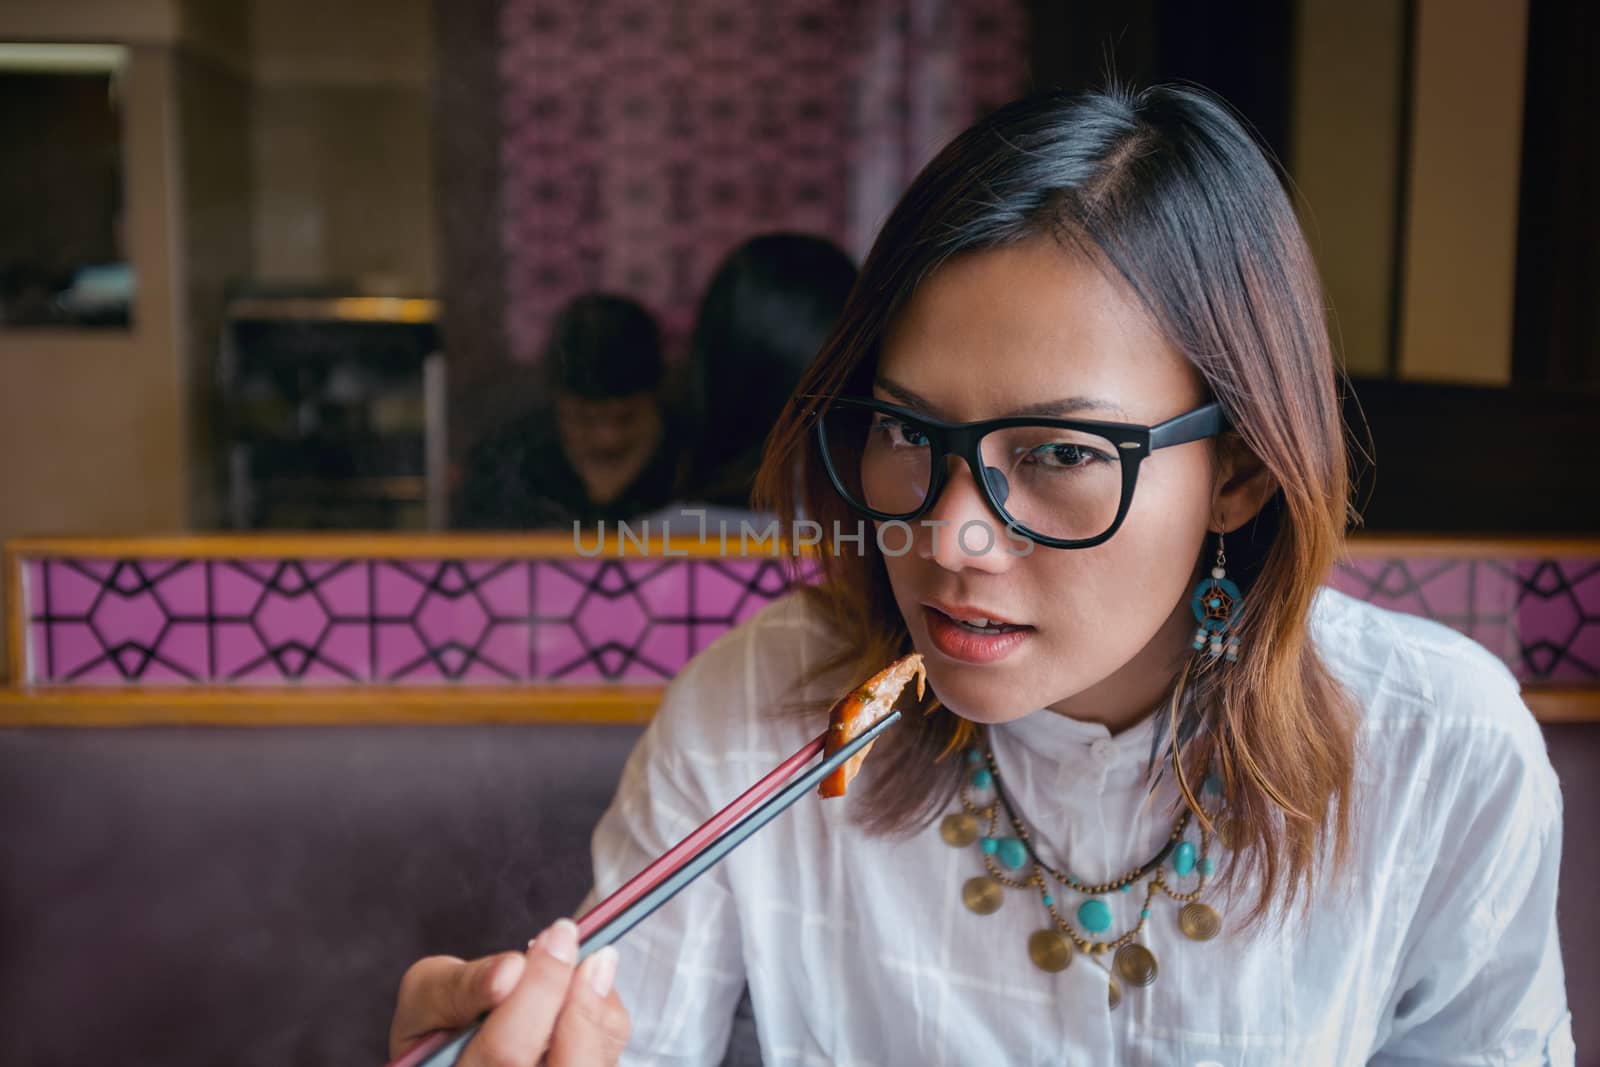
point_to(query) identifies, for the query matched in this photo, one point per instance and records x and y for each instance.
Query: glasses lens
(882, 462)
(1060, 483)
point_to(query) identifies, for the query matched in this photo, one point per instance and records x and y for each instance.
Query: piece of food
(858, 710)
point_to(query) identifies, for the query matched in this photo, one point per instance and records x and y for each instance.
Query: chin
(980, 701)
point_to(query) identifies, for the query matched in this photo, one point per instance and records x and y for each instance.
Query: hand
(542, 1010)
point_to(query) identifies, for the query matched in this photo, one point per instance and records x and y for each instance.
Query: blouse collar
(1075, 745)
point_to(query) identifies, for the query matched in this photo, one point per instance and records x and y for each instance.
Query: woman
(768, 309)
(1170, 802)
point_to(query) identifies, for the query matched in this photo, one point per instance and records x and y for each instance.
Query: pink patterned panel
(1542, 617)
(1559, 618)
(642, 141)
(100, 622)
(1472, 596)
(585, 621)
(395, 622)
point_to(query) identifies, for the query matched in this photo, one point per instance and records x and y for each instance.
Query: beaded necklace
(1013, 862)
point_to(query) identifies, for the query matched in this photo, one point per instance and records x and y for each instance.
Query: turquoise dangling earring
(1218, 605)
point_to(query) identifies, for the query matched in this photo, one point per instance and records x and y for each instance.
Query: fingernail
(600, 970)
(560, 940)
(504, 979)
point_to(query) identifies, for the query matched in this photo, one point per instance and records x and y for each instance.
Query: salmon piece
(858, 710)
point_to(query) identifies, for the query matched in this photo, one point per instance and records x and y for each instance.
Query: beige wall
(1466, 149)
(1458, 272)
(92, 423)
(341, 146)
(216, 208)
(218, 30)
(97, 427)
(350, 42)
(1343, 155)
(317, 168)
(104, 21)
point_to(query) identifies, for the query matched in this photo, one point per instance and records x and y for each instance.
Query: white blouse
(857, 950)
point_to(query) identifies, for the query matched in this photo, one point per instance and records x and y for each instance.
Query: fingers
(541, 1004)
(446, 993)
(518, 1032)
(593, 1028)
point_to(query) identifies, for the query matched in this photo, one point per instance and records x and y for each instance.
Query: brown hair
(1167, 190)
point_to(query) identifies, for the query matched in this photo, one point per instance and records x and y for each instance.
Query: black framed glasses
(1064, 483)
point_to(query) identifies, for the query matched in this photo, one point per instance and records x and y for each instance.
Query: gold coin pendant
(959, 830)
(1135, 964)
(1199, 922)
(983, 895)
(1049, 951)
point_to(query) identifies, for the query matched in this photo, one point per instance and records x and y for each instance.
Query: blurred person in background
(601, 449)
(766, 313)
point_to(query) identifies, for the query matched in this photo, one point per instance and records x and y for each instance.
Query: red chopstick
(674, 857)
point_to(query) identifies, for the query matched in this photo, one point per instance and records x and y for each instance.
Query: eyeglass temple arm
(1196, 425)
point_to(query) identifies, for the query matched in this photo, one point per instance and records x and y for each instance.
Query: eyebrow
(1062, 408)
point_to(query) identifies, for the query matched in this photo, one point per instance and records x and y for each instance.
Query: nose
(968, 534)
(607, 434)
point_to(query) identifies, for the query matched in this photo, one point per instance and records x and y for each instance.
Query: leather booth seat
(201, 896)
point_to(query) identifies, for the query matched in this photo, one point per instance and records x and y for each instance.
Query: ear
(1243, 485)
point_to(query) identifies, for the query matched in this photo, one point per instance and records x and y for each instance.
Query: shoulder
(1440, 715)
(1402, 667)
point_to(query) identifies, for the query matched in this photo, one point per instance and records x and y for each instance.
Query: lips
(956, 636)
(969, 613)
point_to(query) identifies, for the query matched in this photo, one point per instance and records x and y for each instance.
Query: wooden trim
(1563, 704)
(403, 310)
(16, 610)
(587, 706)
(1470, 546)
(560, 545)
(574, 706)
(542, 545)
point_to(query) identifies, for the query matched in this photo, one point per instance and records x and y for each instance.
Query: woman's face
(1101, 630)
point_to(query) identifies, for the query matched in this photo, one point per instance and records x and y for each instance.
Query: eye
(898, 433)
(1066, 455)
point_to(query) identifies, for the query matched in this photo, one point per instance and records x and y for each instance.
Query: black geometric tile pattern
(1542, 617)
(599, 621)
(341, 622)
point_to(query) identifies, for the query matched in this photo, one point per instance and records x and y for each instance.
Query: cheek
(1099, 608)
(1117, 595)
(903, 582)
(1143, 571)
(1171, 512)
(1135, 581)
(1142, 574)
(1095, 608)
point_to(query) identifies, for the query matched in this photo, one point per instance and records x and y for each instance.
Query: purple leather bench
(251, 896)
(205, 896)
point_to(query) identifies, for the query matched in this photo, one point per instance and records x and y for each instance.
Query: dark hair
(604, 345)
(769, 307)
(1168, 193)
